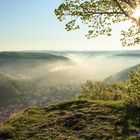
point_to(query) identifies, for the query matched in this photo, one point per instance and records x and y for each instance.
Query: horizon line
(38, 50)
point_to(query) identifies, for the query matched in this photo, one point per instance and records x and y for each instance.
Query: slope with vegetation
(121, 76)
(10, 90)
(77, 119)
(101, 112)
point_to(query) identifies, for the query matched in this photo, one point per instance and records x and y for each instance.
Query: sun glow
(136, 13)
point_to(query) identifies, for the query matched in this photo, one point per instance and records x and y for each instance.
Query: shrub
(128, 91)
(133, 89)
(6, 132)
(101, 91)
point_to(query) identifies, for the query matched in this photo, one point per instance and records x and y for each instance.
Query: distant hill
(73, 120)
(20, 60)
(30, 55)
(120, 76)
(26, 65)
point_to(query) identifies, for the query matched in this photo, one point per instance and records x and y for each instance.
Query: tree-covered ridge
(99, 15)
(31, 55)
(121, 76)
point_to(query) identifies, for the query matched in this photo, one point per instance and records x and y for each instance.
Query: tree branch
(100, 13)
(124, 12)
(128, 2)
(105, 13)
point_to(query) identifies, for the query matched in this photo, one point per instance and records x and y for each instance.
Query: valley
(37, 78)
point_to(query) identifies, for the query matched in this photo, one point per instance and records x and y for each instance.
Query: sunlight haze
(32, 25)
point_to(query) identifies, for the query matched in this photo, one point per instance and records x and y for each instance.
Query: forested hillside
(120, 76)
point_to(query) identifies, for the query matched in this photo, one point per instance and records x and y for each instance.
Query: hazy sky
(32, 25)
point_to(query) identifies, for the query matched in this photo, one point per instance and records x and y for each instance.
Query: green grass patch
(73, 120)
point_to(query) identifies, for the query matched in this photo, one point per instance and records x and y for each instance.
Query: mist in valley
(101, 65)
(74, 67)
(41, 78)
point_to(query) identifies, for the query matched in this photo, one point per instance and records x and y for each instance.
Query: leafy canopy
(99, 15)
(133, 88)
